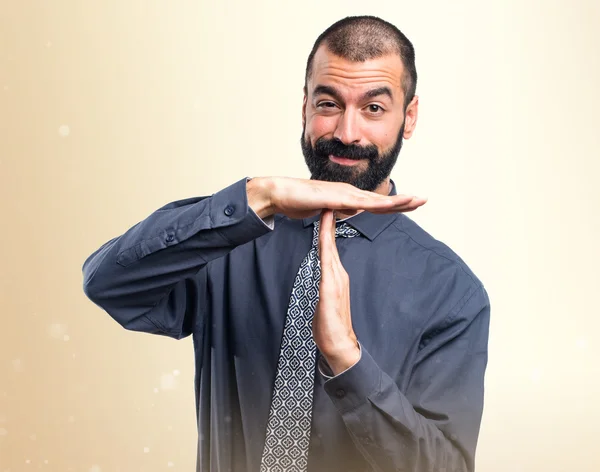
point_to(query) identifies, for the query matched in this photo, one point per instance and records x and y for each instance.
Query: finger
(332, 270)
(367, 200)
(325, 234)
(347, 197)
(380, 202)
(335, 256)
(415, 203)
(350, 199)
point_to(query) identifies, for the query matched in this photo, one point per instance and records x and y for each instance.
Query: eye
(325, 105)
(375, 109)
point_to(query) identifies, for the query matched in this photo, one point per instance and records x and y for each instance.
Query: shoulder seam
(402, 230)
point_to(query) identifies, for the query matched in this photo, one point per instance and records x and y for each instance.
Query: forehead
(329, 69)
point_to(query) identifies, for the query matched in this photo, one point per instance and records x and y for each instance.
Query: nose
(347, 130)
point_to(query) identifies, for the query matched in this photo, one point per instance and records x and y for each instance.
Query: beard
(379, 166)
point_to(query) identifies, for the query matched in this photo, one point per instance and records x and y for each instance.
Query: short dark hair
(359, 38)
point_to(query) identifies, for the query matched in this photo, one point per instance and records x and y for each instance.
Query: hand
(332, 322)
(303, 198)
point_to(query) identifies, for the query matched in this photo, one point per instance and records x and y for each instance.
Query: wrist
(258, 190)
(341, 359)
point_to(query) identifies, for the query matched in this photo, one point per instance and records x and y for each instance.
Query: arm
(152, 278)
(434, 425)
(143, 278)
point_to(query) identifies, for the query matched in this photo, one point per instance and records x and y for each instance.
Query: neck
(384, 188)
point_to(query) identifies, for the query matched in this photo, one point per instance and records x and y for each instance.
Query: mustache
(325, 147)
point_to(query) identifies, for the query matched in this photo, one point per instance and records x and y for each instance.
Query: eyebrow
(328, 90)
(379, 91)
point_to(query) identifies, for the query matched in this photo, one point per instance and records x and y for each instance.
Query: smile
(344, 161)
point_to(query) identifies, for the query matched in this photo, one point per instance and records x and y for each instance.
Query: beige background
(111, 109)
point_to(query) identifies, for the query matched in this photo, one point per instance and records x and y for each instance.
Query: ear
(410, 117)
(304, 109)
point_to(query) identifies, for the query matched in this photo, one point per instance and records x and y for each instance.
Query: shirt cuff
(326, 371)
(233, 217)
(269, 221)
(351, 388)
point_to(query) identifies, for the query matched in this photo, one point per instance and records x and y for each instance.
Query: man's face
(353, 119)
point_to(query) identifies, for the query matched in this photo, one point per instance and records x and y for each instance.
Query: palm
(302, 198)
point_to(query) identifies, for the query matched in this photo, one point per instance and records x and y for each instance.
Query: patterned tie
(288, 427)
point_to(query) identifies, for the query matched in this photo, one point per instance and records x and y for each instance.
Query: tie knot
(342, 230)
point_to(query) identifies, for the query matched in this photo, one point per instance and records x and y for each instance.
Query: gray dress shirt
(211, 268)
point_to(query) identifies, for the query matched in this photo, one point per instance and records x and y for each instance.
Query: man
(364, 352)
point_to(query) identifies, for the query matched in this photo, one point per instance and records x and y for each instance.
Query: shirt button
(340, 393)
(229, 210)
(170, 238)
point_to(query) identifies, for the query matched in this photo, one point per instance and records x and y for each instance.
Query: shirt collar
(368, 224)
